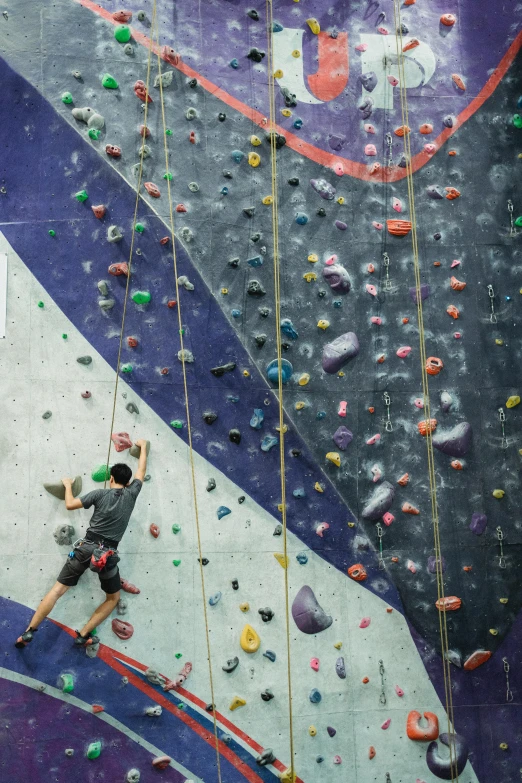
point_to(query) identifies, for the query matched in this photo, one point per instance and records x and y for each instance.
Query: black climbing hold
(264, 312)
(296, 452)
(193, 83)
(249, 211)
(235, 436)
(209, 417)
(256, 55)
(241, 499)
(437, 235)
(294, 181)
(211, 484)
(289, 97)
(222, 117)
(209, 707)
(234, 263)
(255, 288)
(260, 339)
(380, 19)
(253, 14)
(285, 346)
(267, 756)
(227, 174)
(402, 162)
(86, 360)
(267, 695)
(270, 655)
(448, 121)
(235, 584)
(321, 212)
(280, 140)
(222, 369)
(404, 29)
(321, 293)
(266, 614)
(255, 237)
(231, 664)
(278, 530)
(204, 561)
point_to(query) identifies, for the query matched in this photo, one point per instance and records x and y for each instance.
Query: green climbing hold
(109, 82)
(67, 683)
(176, 562)
(176, 528)
(67, 97)
(122, 33)
(167, 175)
(141, 297)
(101, 473)
(52, 232)
(168, 132)
(94, 750)
(178, 655)
(517, 121)
(177, 424)
(64, 336)
(126, 368)
(518, 221)
(139, 227)
(82, 195)
(41, 304)
(94, 134)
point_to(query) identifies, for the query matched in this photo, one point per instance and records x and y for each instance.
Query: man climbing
(98, 550)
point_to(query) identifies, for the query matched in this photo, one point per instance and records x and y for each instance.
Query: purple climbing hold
(448, 121)
(454, 442)
(424, 292)
(340, 225)
(324, 188)
(342, 437)
(379, 502)
(337, 353)
(478, 523)
(369, 80)
(366, 107)
(454, 763)
(432, 564)
(434, 192)
(337, 278)
(336, 142)
(446, 401)
(308, 615)
(331, 731)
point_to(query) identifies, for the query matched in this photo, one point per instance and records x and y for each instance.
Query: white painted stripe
(29, 682)
(3, 293)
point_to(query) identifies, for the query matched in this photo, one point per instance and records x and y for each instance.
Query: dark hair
(121, 473)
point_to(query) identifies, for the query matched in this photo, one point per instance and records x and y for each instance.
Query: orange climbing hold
(96, 708)
(402, 130)
(357, 572)
(456, 464)
(398, 228)
(152, 189)
(458, 81)
(476, 659)
(365, 680)
(452, 153)
(407, 508)
(154, 530)
(453, 311)
(434, 365)
(410, 2)
(426, 128)
(404, 479)
(450, 603)
(371, 752)
(448, 20)
(411, 45)
(452, 193)
(420, 733)
(436, 263)
(429, 425)
(467, 569)
(457, 285)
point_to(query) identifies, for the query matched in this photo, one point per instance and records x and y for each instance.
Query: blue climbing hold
(270, 655)
(337, 303)
(213, 600)
(224, 190)
(315, 697)
(272, 371)
(287, 328)
(256, 422)
(302, 558)
(255, 261)
(277, 27)
(237, 156)
(298, 493)
(298, 123)
(234, 63)
(222, 512)
(268, 442)
(232, 398)
(301, 219)
(236, 313)
(320, 414)
(319, 759)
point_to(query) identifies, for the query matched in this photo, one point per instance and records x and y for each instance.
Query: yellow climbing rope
(425, 388)
(277, 299)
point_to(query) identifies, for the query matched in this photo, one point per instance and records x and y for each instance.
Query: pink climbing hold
(382, 30)
(113, 151)
(180, 678)
(170, 55)
(371, 289)
(86, 395)
(457, 335)
(144, 131)
(376, 320)
(370, 150)
(122, 16)
(132, 342)
(418, 403)
(393, 81)
(181, 208)
(376, 473)
(161, 762)
(152, 189)
(321, 528)
(128, 587)
(314, 663)
(403, 352)
(121, 441)
(399, 692)
(338, 169)
(411, 566)
(454, 264)
(331, 260)
(337, 760)
(362, 47)
(378, 226)
(140, 88)
(369, 128)
(373, 440)
(430, 148)
(388, 519)
(342, 408)
(365, 622)
(386, 724)
(99, 211)
(119, 269)
(154, 530)
(397, 204)
(122, 629)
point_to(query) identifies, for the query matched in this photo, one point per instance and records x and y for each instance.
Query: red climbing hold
(113, 150)
(152, 189)
(181, 208)
(140, 88)
(122, 629)
(434, 365)
(398, 228)
(411, 44)
(119, 269)
(452, 193)
(476, 659)
(426, 128)
(357, 572)
(154, 530)
(420, 733)
(99, 211)
(404, 479)
(457, 285)
(164, 240)
(450, 603)
(456, 464)
(144, 131)
(448, 20)
(430, 425)
(161, 762)
(164, 371)
(192, 137)
(371, 752)
(170, 55)
(453, 311)
(132, 342)
(171, 303)
(121, 441)
(402, 130)
(96, 708)
(122, 16)
(128, 587)
(86, 395)
(458, 81)
(407, 508)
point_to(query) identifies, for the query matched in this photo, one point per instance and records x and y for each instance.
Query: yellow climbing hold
(318, 487)
(340, 200)
(313, 258)
(338, 645)
(334, 457)
(281, 559)
(498, 494)
(268, 200)
(288, 776)
(312, 731)
(236, 702)
(254, 159)
(249, 640)
(280, 507)
(310, 277)
(503, 600)
(323, 323)
(351, 524)
(286, 112)
(503, 746)
(246, 374)
(498, 341)
(224, 291)
(296, 53)
(285, 428)
(340, 374)
(278, 74)
(300, 405)
(513, 401)
(493, 632)
(314, 25)
(245, 607)
(255, 141)
(304, 379)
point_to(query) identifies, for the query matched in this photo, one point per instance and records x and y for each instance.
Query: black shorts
(75, 566)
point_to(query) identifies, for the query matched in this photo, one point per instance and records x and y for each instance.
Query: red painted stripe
(334, 66)
(351, 168)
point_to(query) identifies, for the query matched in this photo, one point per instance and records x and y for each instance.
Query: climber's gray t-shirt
(112, 509)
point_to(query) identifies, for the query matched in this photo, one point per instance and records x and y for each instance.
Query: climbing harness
(443, 628)
(382, 697)
(509, 692)
(501, 558)
(491, 294)
(502, 417)
(387, 421)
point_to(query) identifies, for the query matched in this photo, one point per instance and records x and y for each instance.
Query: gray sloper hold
(369, 80)
(454, 442)
(164, 78)
(114, 234)
(103, 288)
(308, 615)
(380, 502)
(85, 360)
(337, 278)
(63, 534)
(58, 490)
(106, 304)
(337, 353)
(132, 408)
(89, 116)
(135, 451)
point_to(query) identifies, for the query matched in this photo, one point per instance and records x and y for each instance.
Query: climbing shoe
(25, 638)
(83, 641)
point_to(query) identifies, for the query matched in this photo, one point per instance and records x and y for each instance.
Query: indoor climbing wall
(315, 297)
